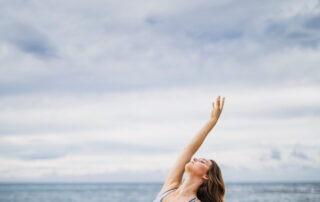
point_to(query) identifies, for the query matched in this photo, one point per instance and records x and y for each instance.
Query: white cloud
(147, 129)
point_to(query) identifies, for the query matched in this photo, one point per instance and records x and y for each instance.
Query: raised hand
(216, 110)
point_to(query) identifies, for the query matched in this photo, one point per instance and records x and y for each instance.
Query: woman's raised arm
(174, 177)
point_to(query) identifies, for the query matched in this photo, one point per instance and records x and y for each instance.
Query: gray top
(159, 199)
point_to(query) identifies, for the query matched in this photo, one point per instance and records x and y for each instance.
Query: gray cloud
(29, 129)
(233, 20)
(301, 30)
(43, 150)
(274, 154)
(286, 112)
(201, 25)
(172, 45)
(313, 22)
(28, 39)
(118, 148)
(299, 155)
(35, 150)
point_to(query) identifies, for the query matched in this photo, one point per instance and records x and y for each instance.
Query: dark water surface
(134, 192)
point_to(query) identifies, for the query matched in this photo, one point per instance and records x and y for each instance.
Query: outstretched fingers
(222, 103)
(219, 105)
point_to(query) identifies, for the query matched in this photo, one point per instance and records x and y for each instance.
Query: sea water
(140, 192)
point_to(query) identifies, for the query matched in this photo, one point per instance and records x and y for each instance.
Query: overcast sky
(113, 90)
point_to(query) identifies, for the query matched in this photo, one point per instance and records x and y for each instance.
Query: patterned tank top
(159, 199)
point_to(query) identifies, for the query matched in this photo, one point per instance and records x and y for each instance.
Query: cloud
(35, 150)
(43, 150)
(313, 22)
(296, 30)
(28, 39)
(186, 44)
(275, 154)
(90, 88)
(299, 154)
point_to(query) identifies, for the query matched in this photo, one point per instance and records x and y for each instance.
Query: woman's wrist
(213, 120)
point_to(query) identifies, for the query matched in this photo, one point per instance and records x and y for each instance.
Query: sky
(112, 91)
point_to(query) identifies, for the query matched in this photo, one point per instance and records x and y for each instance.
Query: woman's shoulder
(166, 188)
(162, 192)
(161, 195)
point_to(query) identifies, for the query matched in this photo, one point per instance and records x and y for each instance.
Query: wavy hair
(212, 190)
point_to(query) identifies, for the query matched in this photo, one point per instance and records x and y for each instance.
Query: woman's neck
(189, 187)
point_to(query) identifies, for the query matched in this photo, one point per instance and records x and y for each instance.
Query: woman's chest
(179, 199)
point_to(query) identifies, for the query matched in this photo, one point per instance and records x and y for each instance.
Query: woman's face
(198, 167)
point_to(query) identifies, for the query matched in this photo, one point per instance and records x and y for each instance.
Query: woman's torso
(164, 194)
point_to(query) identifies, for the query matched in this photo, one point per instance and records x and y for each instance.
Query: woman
(203, 180)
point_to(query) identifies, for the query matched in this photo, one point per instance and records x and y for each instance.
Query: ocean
(146, 192)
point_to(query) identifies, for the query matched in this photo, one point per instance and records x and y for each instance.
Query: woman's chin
(188, 166)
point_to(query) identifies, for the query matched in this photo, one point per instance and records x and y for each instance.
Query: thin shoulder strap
(164, 193)
(193, 200)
